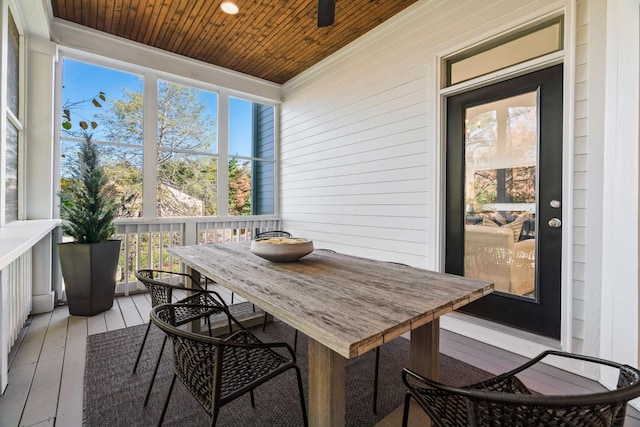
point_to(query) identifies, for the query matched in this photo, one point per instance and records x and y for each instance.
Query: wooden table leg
(424, 350)
(424, 357)
(326, 386)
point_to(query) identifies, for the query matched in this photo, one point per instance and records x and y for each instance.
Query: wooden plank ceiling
(271, 39)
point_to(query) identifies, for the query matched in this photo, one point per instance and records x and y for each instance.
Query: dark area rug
(114, 396)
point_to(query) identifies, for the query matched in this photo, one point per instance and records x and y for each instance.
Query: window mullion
(150, 149)
(223, 154)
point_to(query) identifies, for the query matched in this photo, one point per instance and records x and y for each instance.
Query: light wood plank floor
(47, 365)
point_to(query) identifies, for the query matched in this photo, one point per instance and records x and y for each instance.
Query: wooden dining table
(346, 305)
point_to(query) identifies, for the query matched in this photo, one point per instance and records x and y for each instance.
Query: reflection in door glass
(500, 193)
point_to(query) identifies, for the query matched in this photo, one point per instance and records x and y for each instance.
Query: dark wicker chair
(505, 401)
(216, 371)
(272, 233)
(161, 285)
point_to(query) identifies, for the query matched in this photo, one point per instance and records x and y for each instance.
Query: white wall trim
(34, 16)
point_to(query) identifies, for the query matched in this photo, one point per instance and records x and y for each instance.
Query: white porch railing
(17, 281)
(145, 244)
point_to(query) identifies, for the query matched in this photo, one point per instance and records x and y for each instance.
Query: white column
(620, 199)
(41, 189)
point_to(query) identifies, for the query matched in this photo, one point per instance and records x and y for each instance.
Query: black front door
(503, 197)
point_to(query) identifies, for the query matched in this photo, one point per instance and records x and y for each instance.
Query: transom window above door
(510, 49)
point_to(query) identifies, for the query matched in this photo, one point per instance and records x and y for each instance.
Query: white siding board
(365, 121)
(417, 211)
(364, 237)
(580, 145)
(582, 72)
(581, 109)
(580, 199)
(362, 199)
(581, 126)
(579, 287)
(364, 163)
(579, 274)
(344, 150)
(346, 179)
(368, 220)
(358, 95)
(582, 34)
(579, 236)
(577, 346)
(580, 180)
(578, 327)
(370, 165)
(398, 133)
(352, 98)
(582, 54)
(581, 90)
(579, 252)
(580, 164)
(355, 189)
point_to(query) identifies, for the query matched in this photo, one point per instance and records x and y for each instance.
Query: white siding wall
(355, 158)
(361, 149)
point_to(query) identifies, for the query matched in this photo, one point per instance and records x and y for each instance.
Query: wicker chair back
(505, 400)
(272, 233)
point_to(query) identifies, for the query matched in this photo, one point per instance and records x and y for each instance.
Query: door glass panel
(500, 193)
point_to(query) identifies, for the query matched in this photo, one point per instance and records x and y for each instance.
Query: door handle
(555, 223)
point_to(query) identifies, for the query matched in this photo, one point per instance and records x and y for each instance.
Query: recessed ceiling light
(229, 7)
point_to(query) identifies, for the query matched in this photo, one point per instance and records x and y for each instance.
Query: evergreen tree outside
(88, 200)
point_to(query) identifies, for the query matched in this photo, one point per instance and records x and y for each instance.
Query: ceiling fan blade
(326, 12)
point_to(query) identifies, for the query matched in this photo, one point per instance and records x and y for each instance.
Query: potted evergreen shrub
(87, 204)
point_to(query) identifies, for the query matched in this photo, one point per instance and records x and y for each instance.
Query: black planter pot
(89, 271)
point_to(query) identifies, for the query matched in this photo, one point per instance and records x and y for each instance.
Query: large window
(179, 153)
